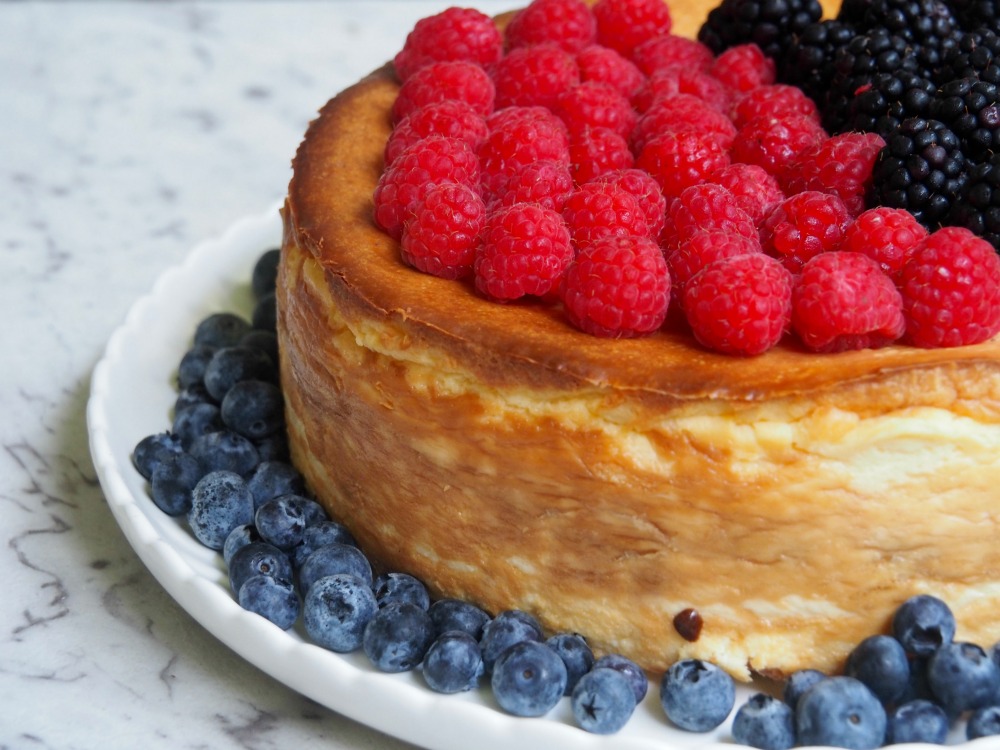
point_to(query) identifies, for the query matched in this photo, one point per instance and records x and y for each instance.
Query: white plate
(131, 397)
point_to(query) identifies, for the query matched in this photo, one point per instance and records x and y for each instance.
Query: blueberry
(191, 370)
(336, 611)
(273, 447)
(697, 695)
(282, 521)
(963, 677)
(503, 631)
(238, 538)
(401, 587)
(265, 313)
(219, 503)
(335, 558)
(983, 722)
(225, 451)
(398, 636)
(220, 329)
(918, 687)
(319, 535)
(231, 364)
(272, 598)
(256, 559)
(265, 273)
(253, 408)
(455, 614)
(528, 679)
(880, 662)
(636, 676)
(271, 479)
(602, 701)
(266, 341)
(453, 663)
(765, 722)
(798, 683)
(192, 395)
(152, 449)
(173, 481)
(313, 512)
(840, 711)
(917, 721)
(922, 624)
(576, 655)
(196, 420)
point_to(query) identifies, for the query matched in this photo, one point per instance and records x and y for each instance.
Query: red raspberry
(522, 136)
(777, 100)
(442, 237)
(594, 151)
(525, 251)
(443, 81)
(774, 143)
(803, 226)
(703, 207)
(546, 183)
(530, 76)
(509, 116)
(744, 67)
(625, 24)
(451, 118)
(672, 51)
(596, 105)
(841, 164)
(619, 287)
(739, 305)
(567, 23)
(887, 235)
(604, 65)
(756, 191)
(681, 112)
(599, 209)
(843, 301)
(680, 159)
(646, 190)
(951, 290)
(426, 163)
(453, 34)
(664, 84)
(703, 247)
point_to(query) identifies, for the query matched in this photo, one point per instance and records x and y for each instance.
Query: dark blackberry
(978, 208)
(808, 61)
(976, 55)
(853, 12)
(970, 108)
(889, 99)
(770, 24)
(922, 169)
(977, 14)
(929, 26)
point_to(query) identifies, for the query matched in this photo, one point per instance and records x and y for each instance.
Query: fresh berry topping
(764, 722)
(696, 695)
(680, 159)
(970, 108)
(643, 187)
(444, 81)
(756, 191)
(534, 76)
(682, 112)
(951, 290)
(922, 624)
(453, 34)
(978, 207)
(808, 60)
(602, 701)
(520, 136)
(744, 67)
(774, 143)
(840, 165)
(442, 237)
(777, 100)
(566, 23)
(884, 101)
(739, 305)
(625, 24)
(672, 51)
(397, 637)
(600, 209)
(769, 24)
(703, 247)
(450, 118)
(705, 207)
(594, 151)
(669, 82)
(595, 105)
(453, 663)
(886, 235)
(426, 163)
(546, 183)
(842, 712)
(528, 679)
(918, 720)
(605, 65)
(576, 654)
(803, 226)
(976, 54)
(336, 611)
(525, 251)
(929, 26)
(963, 677)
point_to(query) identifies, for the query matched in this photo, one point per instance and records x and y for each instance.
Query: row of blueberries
(224, 466)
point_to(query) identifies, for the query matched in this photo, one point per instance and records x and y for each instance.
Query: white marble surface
(130, 131)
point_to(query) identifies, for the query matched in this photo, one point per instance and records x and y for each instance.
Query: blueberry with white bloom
(963, 677)
(453, 663)
(602, 701)
(238, 538)
(191, 395)
(196, 420)
(880, 662)
(220, 329)
(983, 722)
(528, 679)
(191, 369)
(173, 483)
(506, 629)
(152, 449)
(455, 614)
(697, 695)
(255, 559)
(576, 655)
(271, 479)
(231, 364)
(336, 611)
(842, 712)
(798, 683)
(331, 559)
(282, 521)
(917, 721)
(922, 624)
(398, 636)
(318, 535)
(765, 722)
(272, 598)
(219, 503)
(636, 676)
(264, 276)
(401, 587)
(225, 451)
(253, 408)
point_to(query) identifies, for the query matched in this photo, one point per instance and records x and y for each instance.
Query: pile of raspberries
(822, 193)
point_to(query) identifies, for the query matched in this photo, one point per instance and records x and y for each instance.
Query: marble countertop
(131, 131)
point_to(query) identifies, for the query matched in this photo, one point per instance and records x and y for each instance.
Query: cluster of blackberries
(922, 74)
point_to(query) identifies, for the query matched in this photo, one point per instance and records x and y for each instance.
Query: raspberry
(453, 34)
(680, 159)
(426, 163)
(625, 24)
(681, 112)
(739, 305)
(595, 105)
(534, 76)
(546, 183)
(509, 116)
(566, 23)
(756, 191)
(804, 225)
(774, 143)
(776, 100)
(887, 235)
(599, 209)
(841, 165)
(450, 118)
(672, 81)
(645, 189)
(619, 287)
(604, 65)
(702, 207)
(844, 301)
(703, 247)
(442, 237)
(520, 136)
(672, 51)
(744, 67)
(594, 151)
(951, 290)
(525, 251)
(443, 81)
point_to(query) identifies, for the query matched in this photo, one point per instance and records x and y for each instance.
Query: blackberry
(807, 63)
(922, 169)
(929, 25)
(978, 208)
(977, 14)
(976, 54)
(853, 12)
(767, 23)
(890, 98)
(971, 109)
